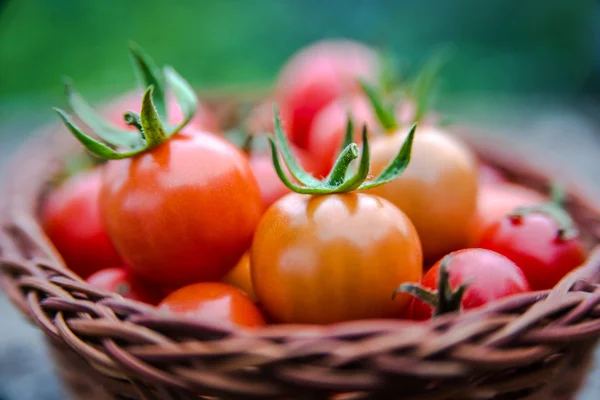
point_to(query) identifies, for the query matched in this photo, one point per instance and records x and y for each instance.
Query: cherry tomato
(216, 303)
(71, 218)
(184, 211)
(338, 257)
(317, 75)
(329, 128)
(489, 275)
(121, 281)
(437, 191)
(241, 277)
(271, 187)
(495, 201)
(204, 119)
(533, 242)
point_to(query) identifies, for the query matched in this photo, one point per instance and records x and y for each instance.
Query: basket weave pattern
(530, 346)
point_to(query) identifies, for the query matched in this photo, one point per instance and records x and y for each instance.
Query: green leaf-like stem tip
(349, 136)
(154, 132)
(337, 181)
(185, 96)
(148, 74)
(385, 114)
(424, 82)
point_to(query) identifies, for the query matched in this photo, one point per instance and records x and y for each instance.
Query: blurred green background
(501, 47)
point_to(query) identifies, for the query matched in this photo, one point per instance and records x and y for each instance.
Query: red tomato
(490, 275)
(533, 242)
(497, 200)
(216, 303)
(317, 75)
(329, 128)
(271, 187)
(182, 212)
(331, 258)
(203, 120)
(71, 218)
(121, 281)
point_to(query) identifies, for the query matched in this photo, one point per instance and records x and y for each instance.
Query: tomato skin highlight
(531, 241)
(183, 212)
(491, 275)
(329, 128)
(71, 218)
(324, 259)
(214, 302)
(317, 75)
(437, 191)
(121, 281)
(241, 277)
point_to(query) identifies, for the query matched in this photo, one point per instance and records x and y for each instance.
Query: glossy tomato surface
(534, 244)
(203, 120)
(495, 201)
(241, 277)
(322, 259)
(183, 212)
(437, 191)
(71, 218)
(317, 75)
(121, 281)
(490, 275)
(214, 303)
(329, 128)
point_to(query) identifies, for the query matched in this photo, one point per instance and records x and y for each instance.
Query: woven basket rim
(77, 315)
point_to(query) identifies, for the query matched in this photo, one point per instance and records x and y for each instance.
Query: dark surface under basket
(532, 376)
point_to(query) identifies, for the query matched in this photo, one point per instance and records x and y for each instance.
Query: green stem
(338, 173)
(133, 119)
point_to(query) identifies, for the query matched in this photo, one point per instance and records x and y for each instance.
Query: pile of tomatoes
(186, 220)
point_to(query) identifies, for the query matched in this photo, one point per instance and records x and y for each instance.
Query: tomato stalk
(118, 143)
(338, 180)
(554, 209)
(445, 299)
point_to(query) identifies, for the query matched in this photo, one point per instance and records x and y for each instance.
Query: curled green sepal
(338, 180)
(423, 84)
(445, 299)
(105, 130)
(153, 133)
(385, 113)
(185, 96)
(148, 74)
(554, 209)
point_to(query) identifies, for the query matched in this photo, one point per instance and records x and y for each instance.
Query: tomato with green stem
(72, 220)
(179, 207)
(326, 253)
(438, 190)
(123, 282)
(541, 239)
(214, 303)
(317, 75)
(465, 279)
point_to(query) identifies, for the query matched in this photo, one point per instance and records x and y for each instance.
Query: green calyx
(554, 209)
(445, 299)
(339, 179)
(152, 122)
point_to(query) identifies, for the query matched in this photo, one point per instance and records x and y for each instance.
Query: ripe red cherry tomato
(329, 128)
(204, 119)
(317, 75)
(271, 187)
(216, 303)
(533, 242)
(71, 218)
(121, 281)
(495, 201)
(184, 211)
(490, 276)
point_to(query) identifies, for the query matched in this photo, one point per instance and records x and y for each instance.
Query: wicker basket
(531, 346)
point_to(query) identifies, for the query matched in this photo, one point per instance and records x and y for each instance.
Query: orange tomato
(437, 191)
(214, 302)
(183, 212)
(337, 257)
(241, 277)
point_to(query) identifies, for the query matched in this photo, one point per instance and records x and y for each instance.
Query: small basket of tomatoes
(342, 244)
